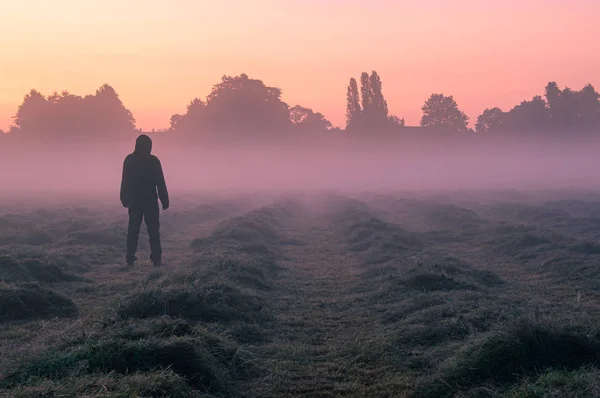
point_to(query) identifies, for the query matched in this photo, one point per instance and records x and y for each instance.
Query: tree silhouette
(562, 111)
(370, 111)
(175, 122)
(568, 109)
(238, 105)
(68, 116)
(573, 110)
(191, 120)
(441, 113)
(528, 116)
(243, 104)
(552, 93)
(490, 120)
(395, 121)
(353, 110)
(589, 108)
(109, 112)
(366, 97)
(307, 120)
(31, 114)
(379, 108)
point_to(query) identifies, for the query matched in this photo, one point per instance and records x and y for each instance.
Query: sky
(159, 55)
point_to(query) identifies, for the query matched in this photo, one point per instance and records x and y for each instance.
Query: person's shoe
(157, 263)
(131, 260)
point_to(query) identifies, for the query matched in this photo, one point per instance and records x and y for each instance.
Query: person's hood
(143, 145)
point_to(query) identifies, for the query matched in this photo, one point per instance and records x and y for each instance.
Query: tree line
(66, 115)
(242, 105)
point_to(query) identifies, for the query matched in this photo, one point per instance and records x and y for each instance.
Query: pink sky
(159, 55)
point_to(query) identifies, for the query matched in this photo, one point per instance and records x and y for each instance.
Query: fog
(344, 165)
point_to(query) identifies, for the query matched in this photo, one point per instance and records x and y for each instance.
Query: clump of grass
(540, 215)
(207, 364)
(585, 247)
(156, 384)
(28, 238)
(161, 327)
(432, 335)
(376, 241)
(451, 217)
(414, 304)
(435, 319)
(252, 228)
(253, 273)
(256, 248)
(33, 302)
(522, 242)
(430, 282)
(215, 303)
(32, 269)
(448, 273)
(559, 383)
(523, 349)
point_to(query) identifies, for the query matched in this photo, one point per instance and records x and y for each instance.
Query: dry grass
(378, 296)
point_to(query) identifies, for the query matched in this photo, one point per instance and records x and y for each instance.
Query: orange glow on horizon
(160, 55)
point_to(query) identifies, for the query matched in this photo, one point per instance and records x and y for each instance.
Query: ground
(464, 294)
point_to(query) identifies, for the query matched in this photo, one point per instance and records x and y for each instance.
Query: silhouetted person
(142, 184)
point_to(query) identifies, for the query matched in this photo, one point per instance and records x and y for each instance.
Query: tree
(379, 108)
(32, 114)
(528, 116)
(571, 110)
(239, 104)
(109, 112)
(306, 119)
(552, 93)
(395, 121)
(66, 116)
(370, 111)
(353, 110)
(490, 120)
(366, 97)
(175, 122)
(441, 112)
(191, 121)
(589, 108)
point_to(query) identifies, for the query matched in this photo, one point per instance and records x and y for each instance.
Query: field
(464, 294)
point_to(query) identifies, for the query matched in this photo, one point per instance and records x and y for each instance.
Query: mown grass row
(456, 329)
(184, 332)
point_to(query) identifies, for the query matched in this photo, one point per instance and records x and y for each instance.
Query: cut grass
(33, 302)
(204, 361)
(216, 303)
(155, 384)
(524, 349)
(411, 298)
(32, 269)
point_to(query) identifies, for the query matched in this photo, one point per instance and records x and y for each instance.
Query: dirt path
(325, 338)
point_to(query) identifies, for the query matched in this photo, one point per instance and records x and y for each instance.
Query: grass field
(489, 294)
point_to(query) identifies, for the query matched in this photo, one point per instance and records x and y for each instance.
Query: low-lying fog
(353, 166)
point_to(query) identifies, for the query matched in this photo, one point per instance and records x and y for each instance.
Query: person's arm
(163, 194)
(125, 183)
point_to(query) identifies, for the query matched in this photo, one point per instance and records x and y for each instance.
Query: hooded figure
(142, 184)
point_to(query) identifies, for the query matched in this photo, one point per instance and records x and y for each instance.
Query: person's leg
(133, 233)
(151, 217)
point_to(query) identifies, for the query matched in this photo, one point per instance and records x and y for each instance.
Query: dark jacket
(143, 181)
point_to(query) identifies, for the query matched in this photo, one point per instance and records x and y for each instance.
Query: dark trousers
(149, 213)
